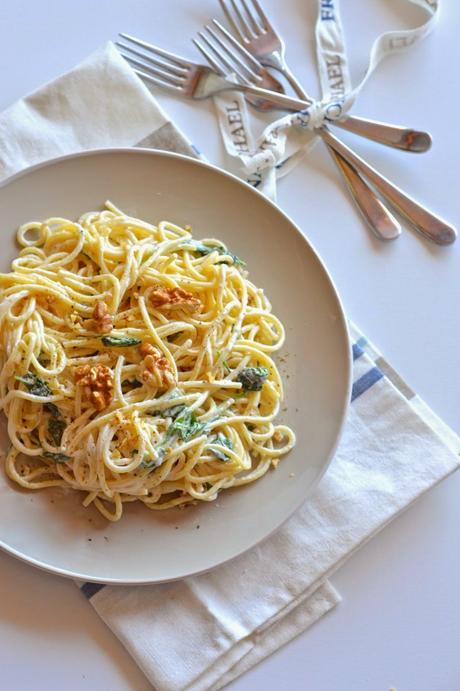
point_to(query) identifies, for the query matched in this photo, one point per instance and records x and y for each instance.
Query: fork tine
(222, 58)
(209, 57)
(238, 21)
(179, 71)
(256, 29)
(237, 45)
(233, 56)
(167, 77)
(262, 16)
(156, 81)
(158, 51)
(231, 21)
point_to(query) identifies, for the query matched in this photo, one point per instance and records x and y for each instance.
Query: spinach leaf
(56, 427)
(219, 455)
(120, 341)
(185, 426)
(224, 362)
(173, 337)
(53, 409)
(35, 385)
(236, 260)
(128, 385)
(154, 462)
(222, 440)
(58, 457)
(202, 249)
(174, 411)
(56, 423)
(253, 378)
(150, 463)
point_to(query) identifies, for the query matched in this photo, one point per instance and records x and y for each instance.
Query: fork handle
(285, 102)
(390, 135)
(428, 224)
(379, 219)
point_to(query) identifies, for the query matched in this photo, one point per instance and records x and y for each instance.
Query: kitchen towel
(393, 449)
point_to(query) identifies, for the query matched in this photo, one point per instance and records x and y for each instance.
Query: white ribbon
(285, 141)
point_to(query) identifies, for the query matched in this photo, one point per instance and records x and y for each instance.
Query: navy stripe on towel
(90, 589)
(357, 351)
(365, 382)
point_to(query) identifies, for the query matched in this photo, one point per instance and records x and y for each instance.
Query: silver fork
(423, 220)
(251, 69)
(225, 53)
(192, 79)
(255, 31)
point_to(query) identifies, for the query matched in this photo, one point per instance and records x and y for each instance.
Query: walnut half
(97, 381)
(157, 370)
(172, 298)
(102, 319)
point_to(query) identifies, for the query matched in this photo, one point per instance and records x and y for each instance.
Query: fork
(198, 81)
(222, 55)
(192, 79)
(424, 221)
(256, 33)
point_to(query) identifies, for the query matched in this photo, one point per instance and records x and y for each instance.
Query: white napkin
(393, 449)
(101, 103)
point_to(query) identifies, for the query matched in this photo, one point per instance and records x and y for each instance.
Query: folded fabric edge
(283, 630)
(249, 650)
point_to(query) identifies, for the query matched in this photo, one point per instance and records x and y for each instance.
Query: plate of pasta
(174, 366)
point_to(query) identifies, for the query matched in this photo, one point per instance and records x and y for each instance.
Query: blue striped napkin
(393, 450)
(204, 631)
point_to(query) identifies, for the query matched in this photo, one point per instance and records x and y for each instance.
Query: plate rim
(88, 153)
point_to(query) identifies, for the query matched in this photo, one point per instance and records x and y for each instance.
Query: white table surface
(399, 622)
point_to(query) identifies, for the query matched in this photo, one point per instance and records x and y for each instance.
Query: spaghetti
(136, 364)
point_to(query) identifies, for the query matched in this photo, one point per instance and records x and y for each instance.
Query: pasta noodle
(136, 364)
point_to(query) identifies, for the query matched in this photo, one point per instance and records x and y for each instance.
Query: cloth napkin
(394, 448)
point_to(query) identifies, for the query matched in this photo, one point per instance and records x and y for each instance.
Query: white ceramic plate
(50, 528)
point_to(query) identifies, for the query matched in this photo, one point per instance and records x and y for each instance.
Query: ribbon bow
(285, 141)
